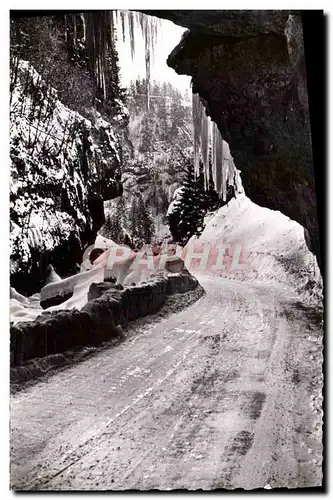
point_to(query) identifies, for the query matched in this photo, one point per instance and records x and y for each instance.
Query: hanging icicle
(84, 27)
(99, 30)
(122, 17)
(213, 147)
(205, 141)
(196, 113)
(218, 160)
(131, 35)
(207, 137)
(202, 129)
(133, 22)
(66, 34)
(112, 26)
(147, 56)
(74, 30)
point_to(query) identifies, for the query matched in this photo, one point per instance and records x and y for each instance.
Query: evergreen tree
(163, 115)
(145, 221)
(107, 227)
(113, 229)
(195, 201)
(146, 145)
(117, 230)
(177, 112)
(133, 222)
(188, 216)
(121, 210)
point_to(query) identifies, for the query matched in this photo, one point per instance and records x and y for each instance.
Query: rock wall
(63, 167)
(99, 320)
(249, 69)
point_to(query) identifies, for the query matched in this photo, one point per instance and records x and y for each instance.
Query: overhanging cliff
(248, 67)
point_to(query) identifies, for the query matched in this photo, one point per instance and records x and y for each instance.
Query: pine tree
(117, 230)
(145, 221)
(177, 113)
(188, 217)
(133, 222)
(146, 145)
(107, 228)
(121, 211)
(113, 229)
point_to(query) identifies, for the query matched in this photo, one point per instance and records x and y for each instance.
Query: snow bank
(78, 284)
(176, 197)
(126, 272)
(274, 246)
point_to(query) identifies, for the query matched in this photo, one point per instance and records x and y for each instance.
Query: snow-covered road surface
(223, 394)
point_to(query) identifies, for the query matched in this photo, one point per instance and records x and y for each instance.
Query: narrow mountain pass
(224, 394)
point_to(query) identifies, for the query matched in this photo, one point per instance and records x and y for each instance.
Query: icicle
(84, 27)
(122, 18)
(229, 181)
(207, 135)
(112, 17)
(66, 27)
(213, 136)
(142, 20)
(205, 145)
(219, 159)
(74, 30)
(202, 138)
(99, 30)
(224, 177)
(149, 27)
(131, 32)
(196, 104)
(103, 86)
(147, 54)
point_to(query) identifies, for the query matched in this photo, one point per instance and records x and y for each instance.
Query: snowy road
(223, 394)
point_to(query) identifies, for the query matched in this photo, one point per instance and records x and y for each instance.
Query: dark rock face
(248, 67)
(227, 22)
(97, 289)
(55, 301)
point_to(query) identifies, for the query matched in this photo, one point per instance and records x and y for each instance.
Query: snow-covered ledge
(100, 319)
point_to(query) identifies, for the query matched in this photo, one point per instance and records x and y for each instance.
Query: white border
(128, 4)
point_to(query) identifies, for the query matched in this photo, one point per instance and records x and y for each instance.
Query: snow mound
(28, 308)
(176, 197)
(79, 284)
(273, 246)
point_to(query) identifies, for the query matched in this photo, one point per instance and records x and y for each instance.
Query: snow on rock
(171, 207)
(28, 308)
(176, 197)
(57, 158)
(162, 230)
(78, 284)
(53, 277)
(178, 193)
(273, 247)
